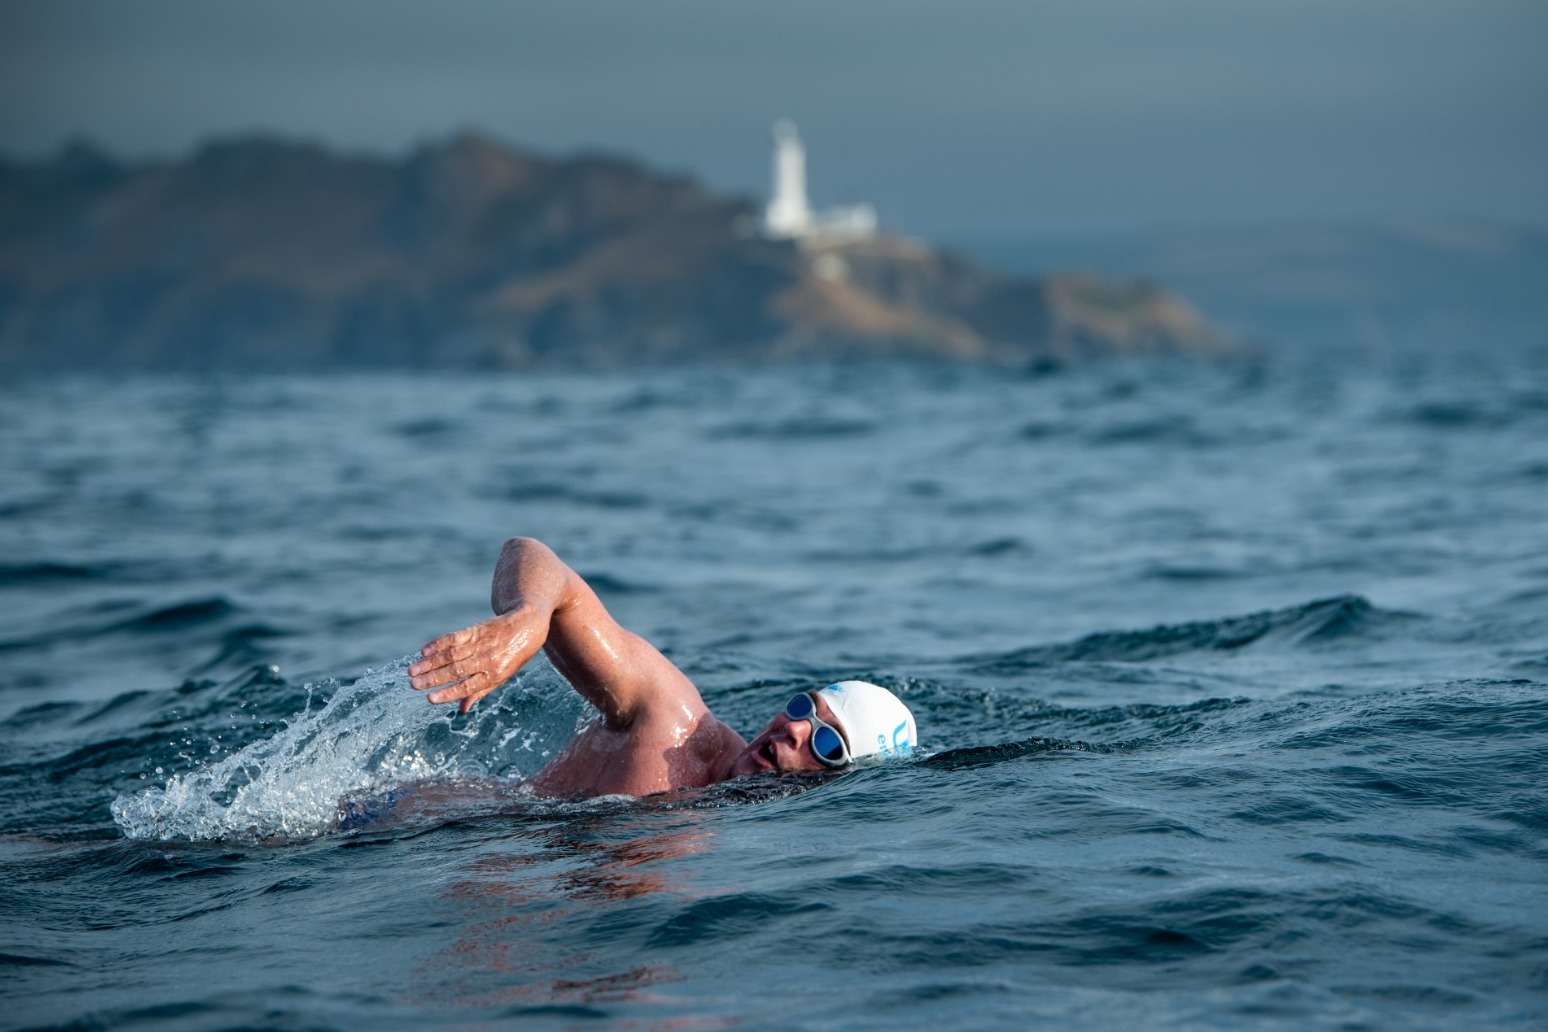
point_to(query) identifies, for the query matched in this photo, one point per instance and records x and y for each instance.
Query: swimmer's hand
(470, 663)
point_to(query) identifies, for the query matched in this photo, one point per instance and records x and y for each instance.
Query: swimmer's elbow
(528, 555)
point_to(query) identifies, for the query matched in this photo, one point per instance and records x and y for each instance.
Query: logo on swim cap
(875, 721)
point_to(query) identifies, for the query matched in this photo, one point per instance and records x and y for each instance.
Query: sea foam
(369, 737)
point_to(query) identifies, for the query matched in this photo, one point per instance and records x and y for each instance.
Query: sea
(1231, 680)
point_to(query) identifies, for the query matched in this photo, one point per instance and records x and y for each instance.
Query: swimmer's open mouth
(767, 752)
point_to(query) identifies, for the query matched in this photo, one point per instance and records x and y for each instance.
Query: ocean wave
(549, 491)
(814, 428)
(155, 618)
(1325, 620)
(27, 574)
(986, 755)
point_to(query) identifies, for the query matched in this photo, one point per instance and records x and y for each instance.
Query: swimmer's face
(784, 745)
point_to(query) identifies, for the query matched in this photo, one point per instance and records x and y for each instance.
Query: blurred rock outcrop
(257, 253)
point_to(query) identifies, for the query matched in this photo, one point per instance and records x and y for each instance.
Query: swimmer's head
(874, 721)
(829, 728)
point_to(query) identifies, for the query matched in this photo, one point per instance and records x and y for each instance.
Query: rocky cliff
(258, 253)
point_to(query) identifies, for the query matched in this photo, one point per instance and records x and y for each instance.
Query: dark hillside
(257, 253)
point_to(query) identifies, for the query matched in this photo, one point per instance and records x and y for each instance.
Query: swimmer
(656, 734)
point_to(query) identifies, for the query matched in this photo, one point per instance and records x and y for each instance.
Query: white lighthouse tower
(789, 215)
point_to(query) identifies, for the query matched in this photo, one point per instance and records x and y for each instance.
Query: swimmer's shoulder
(715, 747)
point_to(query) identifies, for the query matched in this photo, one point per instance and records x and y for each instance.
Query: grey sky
(970, 117)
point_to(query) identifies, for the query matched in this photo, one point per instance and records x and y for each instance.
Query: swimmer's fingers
(454, 656)
(447, 644)
(469, 664)
(468, 690)
(453, 668)
(474, 686)
(436, 669)
(467, 703)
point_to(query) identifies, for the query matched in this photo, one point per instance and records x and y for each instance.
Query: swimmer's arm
(543, 604)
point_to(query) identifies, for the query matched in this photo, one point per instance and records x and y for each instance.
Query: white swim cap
(875, 722)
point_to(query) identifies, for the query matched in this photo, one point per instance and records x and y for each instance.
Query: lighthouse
(789, 215)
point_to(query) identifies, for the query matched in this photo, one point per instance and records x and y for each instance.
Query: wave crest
(1320, 621)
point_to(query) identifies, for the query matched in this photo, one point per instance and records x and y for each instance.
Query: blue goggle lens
(799, 707)
(827, 743)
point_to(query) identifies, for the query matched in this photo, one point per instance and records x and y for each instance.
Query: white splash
(369, 737)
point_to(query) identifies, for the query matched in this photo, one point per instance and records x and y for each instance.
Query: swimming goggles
(827, 744)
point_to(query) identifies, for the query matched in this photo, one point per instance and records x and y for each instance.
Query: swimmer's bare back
(656, 733)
